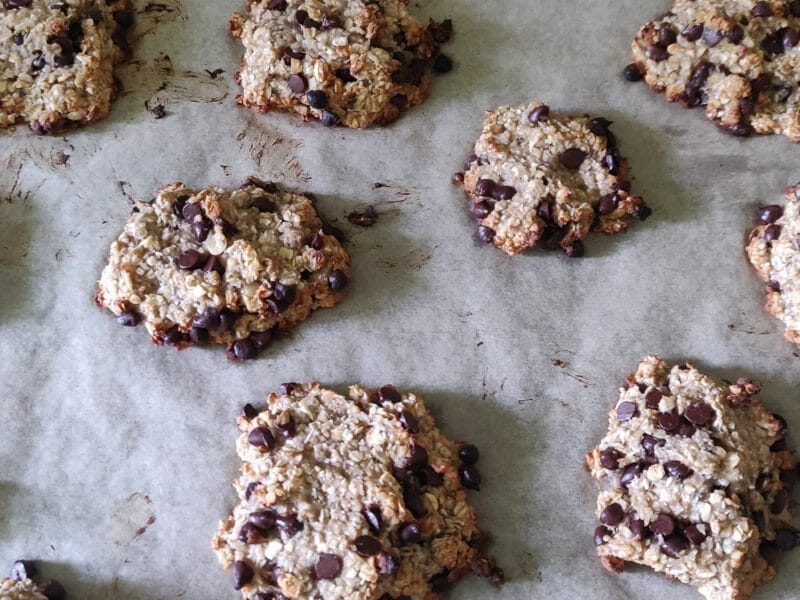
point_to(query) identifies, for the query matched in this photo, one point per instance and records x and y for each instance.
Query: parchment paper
(116, 456)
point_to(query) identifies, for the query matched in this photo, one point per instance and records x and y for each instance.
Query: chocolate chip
(38, 62)
(686, 428)
(188, 260)
(773, 43)
(481, 209)
(666, 35)
(409, 422)
(572, 158)
(243, 350)
(267, 186)
(544, 212)
(389, 393)
(242, 574)
(663, 525)
(747, 106)
(652, 398)
(607, 204)
(632, 73)
(657, 53)
(761, 83)
(441, 582)
(373, 518)
(264, 205)
(128, 319)
(329, 119)
(631, 472)
(200, 230)
(317, 241)
(639, 530)
(470, 477)
(277, 5)
(612, 515)
(52, 590)
(669, 421)
(780, 502)
(250, 534)
(191, 210)
(794, 8)
(317, 99)
(761, 9)
(677, 469)
(410, 533)
(22, 570)
(297, 83)
(786, 540)
(469, 454)
(696, 533)
(539, 114)
(337, 280)
(735, 35)
(249, 411)
(484, 187)
(442, 64)
(770, 213)
(609, 458)
(772, 233)
(366, 545)
(486, 234)
(261, 437)
(626, 411)
(330, 22)
(790, 37)
(199, 336)
(213, 263)
(18, 38)
(428, 477)
(64, 59)
(650, 443)
(417, 457)
(674, 545)
(174, 336)
(575, 250)
(251, 487)
(289, 524)
(208, 319)
(600, 534)
(612, 162)
(503, 192)
(692, 33)
(328, 566)
(18, 3)
(711, 37)
(282, 297)
(413, 502)
(699, 413)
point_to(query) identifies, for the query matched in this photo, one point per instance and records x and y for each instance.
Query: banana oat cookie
(738, 58)
(223, 267)
(694, 479)
(355, 62)
(21, 585)
(57, 60)
(774, 250)
(537, 174)
(358, 498)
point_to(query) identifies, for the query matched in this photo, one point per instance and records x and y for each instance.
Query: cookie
(223, 267)
(354, 62)
(21, 584)
(774, 250)
(537, 174)
(358, 498)
(58, 58)
(737, 58)
(694, 479)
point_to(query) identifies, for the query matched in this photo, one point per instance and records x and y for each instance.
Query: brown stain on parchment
(132, 518)
(152, 15)
(748, 329)
(273, 151)
(564, 366)
(52, 156)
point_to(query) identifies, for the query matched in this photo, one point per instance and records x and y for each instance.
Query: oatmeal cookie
(225, 267)
(535, 173)
(358, 498)
(694, 479)
(21, 585)
(737, 58)
(774, 250)
(355, 62)
(57, 60)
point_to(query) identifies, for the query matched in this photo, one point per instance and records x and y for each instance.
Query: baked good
(21, 584)
(57, 60)
(774, 250)
(694, 477)
(739, 59)
(357, 498)
(354, 62)
(537, 174)
(220, 266)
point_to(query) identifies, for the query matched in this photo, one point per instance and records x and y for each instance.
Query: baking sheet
(116, 457)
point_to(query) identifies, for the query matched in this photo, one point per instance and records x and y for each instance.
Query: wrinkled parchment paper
(116, 456)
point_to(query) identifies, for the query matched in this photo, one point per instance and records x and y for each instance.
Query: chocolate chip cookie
(57, 60)
(350, 498)
(774, 250)
(224, 267)
(694, 477)
(737, 58)
(354, 62)
(21, 585)
(537, 174)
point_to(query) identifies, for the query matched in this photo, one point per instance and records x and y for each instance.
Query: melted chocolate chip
(630, 473)
(410, 534)
(328, 565)
(297, 83)
(389, 393)
(677, 469)
(242, 574)
(632, 73)
(770, 213)
(692, 33)
(609, 458)
(373, 517)
(612, 515)
(261, 437)
(639, 530)
(696, 533)
(626, 411)
(674, 545)
(572, 158)
(600, 534)
(409, 422)
(669, 421)
(700, 414)
(650, 443)
(663, 525)
(366, 545)
(652, 398)
(539, 114)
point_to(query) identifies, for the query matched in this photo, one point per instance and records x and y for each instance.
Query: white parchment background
(116, 456)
